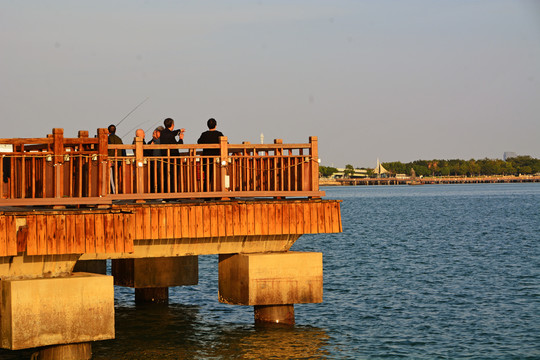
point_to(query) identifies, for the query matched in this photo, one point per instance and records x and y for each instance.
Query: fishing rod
(135, 127)
(129, 113)
(151, 127)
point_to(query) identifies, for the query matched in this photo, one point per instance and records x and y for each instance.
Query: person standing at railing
(156, 140)
(6, 168)
(168, 136)
(155, 165)
(140, 133)
(114, 139)
(211, 136)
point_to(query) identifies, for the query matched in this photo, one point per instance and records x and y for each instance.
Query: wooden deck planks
(89, 230)
(214, 228)
(3, 236)
(102, 232)
(221, 222)
(80, 234)
(177, 218)
(70, 233)
(31, 240)
(110, 234)
(61, 243)
(51, 238)
(11, 236)
(129, 223)
(119, 233)
(139, 223)
(185, 221)
(41, 235)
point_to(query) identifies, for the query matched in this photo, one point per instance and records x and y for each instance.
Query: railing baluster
(248, 170)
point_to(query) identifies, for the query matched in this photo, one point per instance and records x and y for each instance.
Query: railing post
(314, 162)
(103, 162)
(223, 156)
(278, 167)
(58, 151)
(139, 165)
(81, 173)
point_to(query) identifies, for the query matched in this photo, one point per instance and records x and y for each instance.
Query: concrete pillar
(51, 311)
(91, 266)
(152, 277)
(274, 314)
(65, 352)
(272, 282)
(158, 295)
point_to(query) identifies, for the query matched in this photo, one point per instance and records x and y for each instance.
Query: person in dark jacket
(154, 164)
(168, 136)
(115, 139)
(211, 136)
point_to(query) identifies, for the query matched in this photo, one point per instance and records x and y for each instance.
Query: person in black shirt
(155, 164)
(211, 136)
(115, 153)
(168, 136)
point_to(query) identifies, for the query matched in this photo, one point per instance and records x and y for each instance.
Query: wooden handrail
(66, 169)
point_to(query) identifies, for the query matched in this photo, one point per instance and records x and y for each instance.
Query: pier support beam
(152, 277)
(271, 282)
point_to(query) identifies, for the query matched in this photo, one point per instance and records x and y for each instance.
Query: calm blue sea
(419, 272)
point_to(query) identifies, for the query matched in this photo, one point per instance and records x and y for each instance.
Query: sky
(395, 80)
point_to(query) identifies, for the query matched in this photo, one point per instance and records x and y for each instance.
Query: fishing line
(135, 127)
(151, 127)
(129, 113)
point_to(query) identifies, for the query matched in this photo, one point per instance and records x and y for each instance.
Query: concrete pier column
(158, 295)
(274, 314)
(56, 311)
(81, 351)
(271, 282)
(91, 266)
(152, 277)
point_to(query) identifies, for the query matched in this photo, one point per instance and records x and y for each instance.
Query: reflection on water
(179, 331)
(264, 343)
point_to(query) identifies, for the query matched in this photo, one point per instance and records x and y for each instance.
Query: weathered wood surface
(115, 230)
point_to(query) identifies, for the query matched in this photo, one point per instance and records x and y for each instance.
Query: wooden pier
(501, 179)
(66, 204)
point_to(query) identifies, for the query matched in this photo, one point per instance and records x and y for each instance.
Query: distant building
(358, 174)
(379, 170)
(508, 155)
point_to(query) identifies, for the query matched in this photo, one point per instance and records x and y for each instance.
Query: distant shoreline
(430, 180)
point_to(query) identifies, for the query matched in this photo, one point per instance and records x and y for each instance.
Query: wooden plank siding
(115, 230)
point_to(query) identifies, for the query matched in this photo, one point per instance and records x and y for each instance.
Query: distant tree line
(516, 165)
(327, 171)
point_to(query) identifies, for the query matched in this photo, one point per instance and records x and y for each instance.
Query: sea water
(419, 272)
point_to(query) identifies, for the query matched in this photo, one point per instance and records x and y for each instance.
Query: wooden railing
(79, 171)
